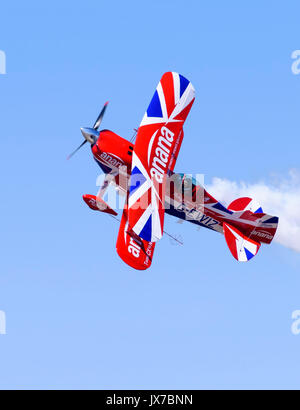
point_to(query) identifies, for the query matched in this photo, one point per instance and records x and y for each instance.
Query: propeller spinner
(91, 135)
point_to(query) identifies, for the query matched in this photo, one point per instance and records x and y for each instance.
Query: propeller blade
(100, 116)
(90, 134)
(74, 152)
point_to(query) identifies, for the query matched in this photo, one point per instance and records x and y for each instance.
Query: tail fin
(248, 229)
(245, 204)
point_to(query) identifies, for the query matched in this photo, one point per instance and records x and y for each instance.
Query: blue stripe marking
(248, 254)
(259, 211)
(147, 230)
(181, 215)
(273, 220)
(183, 84)
(154, 109)
(104, 168)
(220, 207)
(136, 180)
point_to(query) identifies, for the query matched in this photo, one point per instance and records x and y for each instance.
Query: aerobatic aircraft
(144, 171)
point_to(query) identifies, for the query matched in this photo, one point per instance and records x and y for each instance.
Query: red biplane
(145, 172)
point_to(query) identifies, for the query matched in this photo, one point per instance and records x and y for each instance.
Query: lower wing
(132, 249)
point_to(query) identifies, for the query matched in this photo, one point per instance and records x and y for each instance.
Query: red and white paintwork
(142, 170)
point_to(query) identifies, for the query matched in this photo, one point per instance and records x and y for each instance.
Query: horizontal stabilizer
(97, 204)
(242, 248)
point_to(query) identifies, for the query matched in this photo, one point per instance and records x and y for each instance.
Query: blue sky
(77, 316)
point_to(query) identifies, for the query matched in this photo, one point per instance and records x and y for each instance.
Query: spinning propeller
(91, 135)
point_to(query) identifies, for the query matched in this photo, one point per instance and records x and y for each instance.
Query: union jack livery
(144, 171)
(244, 224)
(155, 152)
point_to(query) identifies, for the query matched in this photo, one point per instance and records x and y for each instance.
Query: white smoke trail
(281, 198)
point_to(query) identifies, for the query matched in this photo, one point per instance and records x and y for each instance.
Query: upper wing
(155, 152)
(133, 250)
